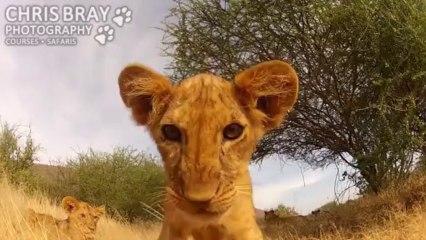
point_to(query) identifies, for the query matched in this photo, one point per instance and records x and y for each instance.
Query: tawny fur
(79, 225)
(209, 192)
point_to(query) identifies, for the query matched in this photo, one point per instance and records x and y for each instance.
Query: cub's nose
(200, 192)
(199, 196)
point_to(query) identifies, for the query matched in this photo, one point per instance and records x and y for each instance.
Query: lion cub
(206, 129)
(79, 225)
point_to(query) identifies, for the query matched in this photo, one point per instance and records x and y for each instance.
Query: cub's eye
(83, 215)
(171, 132)
(233, 131)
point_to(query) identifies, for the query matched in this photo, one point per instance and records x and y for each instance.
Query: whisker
(159, 192)
(158, 196)
(161, 201)
(150, 210)
(173, 193)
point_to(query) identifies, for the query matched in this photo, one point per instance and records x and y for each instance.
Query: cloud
(270, 195)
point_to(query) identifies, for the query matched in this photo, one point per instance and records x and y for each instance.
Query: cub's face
(206, 128)
(205, 138)
(82, 215)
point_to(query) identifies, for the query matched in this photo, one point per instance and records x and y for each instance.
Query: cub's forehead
(83, 206)
(201, 99)
(204, 89)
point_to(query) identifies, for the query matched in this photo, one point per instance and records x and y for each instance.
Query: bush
(129, 182)
(328, 206)
(17, 156)
(283, 211)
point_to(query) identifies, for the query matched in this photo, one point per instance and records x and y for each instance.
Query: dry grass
(393, 215)
(400, 226)
(398, 213)
(13, 204)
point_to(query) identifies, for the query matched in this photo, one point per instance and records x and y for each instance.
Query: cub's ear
(145, 91)
(270, 87)
(100, 210)
(69, 204)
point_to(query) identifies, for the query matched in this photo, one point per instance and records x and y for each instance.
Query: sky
(68, 96)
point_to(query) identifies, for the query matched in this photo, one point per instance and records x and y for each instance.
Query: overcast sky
(69, 97)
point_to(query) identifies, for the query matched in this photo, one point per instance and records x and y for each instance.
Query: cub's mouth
(214, 207)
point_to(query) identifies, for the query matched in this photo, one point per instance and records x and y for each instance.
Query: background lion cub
(80, 224)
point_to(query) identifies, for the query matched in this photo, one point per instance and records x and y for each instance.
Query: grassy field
(12, 225)
(396, 214)
(400, 226)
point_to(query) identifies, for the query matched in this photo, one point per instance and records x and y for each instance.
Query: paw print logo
(105, 34)
(122, 16)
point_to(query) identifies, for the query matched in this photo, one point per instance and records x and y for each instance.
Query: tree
(361, 63)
